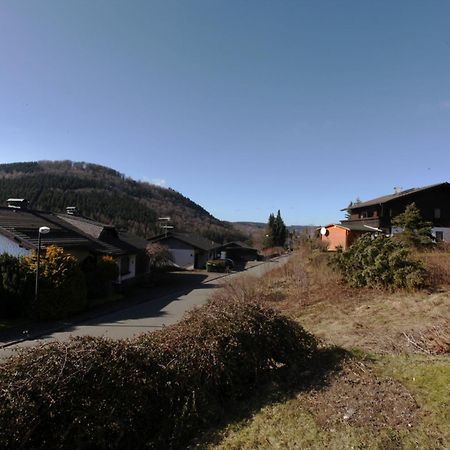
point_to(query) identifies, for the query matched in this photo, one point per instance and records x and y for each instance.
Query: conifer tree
(416, 231)
(276, 231)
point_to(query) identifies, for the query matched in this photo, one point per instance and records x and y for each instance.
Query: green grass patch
(428, 380)
(292, 423)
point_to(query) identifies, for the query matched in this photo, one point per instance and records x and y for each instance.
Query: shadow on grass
(282, 385)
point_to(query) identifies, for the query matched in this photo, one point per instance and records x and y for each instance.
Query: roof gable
(194, 240)
(395, 196)
(23, 227)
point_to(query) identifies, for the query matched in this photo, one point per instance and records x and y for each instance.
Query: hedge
(153, 391)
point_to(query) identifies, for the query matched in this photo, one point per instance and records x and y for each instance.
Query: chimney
(71, 211)
(397, 189)
(18, 203)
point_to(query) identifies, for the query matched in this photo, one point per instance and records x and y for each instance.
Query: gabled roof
(351, 227)
(89, 226)
(123, 243)
(133, 240)
(238, 244)
(23, 226)
(192, 239)
(388, 198)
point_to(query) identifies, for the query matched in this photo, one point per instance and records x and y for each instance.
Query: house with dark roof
(188, 250)
(19, 230)
(433, 202)
(127, 249)
(376, 215)
(238, 251)
(80, 237)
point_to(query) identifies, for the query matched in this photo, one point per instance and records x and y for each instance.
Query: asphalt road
(147, 315)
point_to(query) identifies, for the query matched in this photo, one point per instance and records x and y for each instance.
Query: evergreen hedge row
(153, 391)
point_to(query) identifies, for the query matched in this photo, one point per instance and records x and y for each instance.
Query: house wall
(445, 231)
(337, 237)
(132, 269)
(202, 259)
(183, 257)
(12, 247)
(427, 201)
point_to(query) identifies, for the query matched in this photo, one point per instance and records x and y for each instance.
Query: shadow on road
(140, 302)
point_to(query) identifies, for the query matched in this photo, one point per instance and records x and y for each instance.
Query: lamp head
(44, 230)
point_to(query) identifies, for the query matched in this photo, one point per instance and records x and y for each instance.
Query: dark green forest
(108, 196)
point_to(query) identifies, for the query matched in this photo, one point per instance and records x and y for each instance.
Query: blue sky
(244, 106)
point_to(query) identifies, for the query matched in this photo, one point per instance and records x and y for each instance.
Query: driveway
(148, 314)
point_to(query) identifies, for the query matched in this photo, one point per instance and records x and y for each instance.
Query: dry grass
(393, 403)
(396, 398)
(308, 290)
(437, 264)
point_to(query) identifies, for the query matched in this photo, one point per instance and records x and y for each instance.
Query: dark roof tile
(388, 198)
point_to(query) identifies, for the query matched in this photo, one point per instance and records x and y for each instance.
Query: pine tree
(416, 231)
(276, 231)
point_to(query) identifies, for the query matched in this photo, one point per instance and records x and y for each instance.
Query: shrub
(379, 262)
(16, 286)
(216, 265)
(153, 391)
(62, 287)
(99, 276)
(437, 265)
(159, 255)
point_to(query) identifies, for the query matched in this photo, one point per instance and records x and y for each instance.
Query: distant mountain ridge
(108, 196)
(252, 227)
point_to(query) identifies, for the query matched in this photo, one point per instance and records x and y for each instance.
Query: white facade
(12, 247)
(183, 257)
(444, 230)
(445, 233)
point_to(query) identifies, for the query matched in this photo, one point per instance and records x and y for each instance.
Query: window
(437, 213)
(124, 265)
(439, 236)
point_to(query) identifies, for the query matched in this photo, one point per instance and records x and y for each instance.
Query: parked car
(220, 265)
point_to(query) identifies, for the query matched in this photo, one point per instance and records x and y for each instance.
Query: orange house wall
(337, 237)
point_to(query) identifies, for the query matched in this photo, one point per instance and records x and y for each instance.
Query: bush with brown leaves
(152, 391)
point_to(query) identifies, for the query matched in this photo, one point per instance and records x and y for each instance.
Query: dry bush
(434, 340)
(272, 252)
(437, 264)
(154, 391)
(305, 279)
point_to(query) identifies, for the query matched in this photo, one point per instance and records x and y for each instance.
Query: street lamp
(42, 230)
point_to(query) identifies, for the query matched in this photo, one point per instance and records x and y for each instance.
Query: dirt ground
(358, 396)
(391, 392)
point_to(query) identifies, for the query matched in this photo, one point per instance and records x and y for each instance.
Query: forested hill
(108, 196)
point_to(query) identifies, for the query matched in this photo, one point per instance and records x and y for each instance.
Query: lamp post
(42, 230)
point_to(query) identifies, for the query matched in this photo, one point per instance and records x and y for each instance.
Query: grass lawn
(391, 390)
